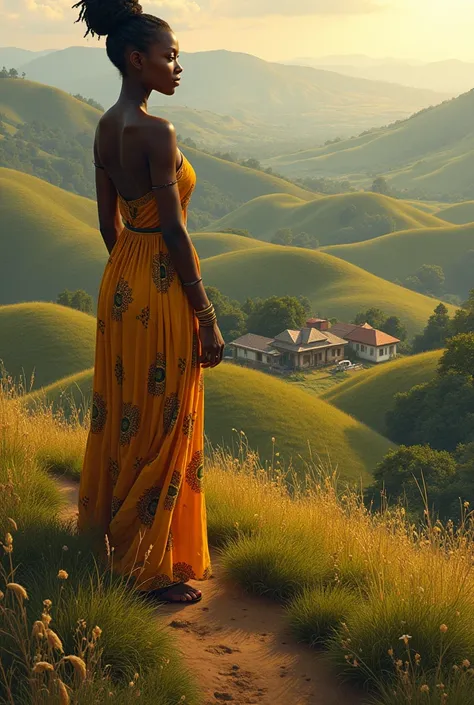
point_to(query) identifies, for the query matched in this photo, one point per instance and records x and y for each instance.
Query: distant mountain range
(451, 76)
(302, 102)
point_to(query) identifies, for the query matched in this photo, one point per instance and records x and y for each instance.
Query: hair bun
(103, 17)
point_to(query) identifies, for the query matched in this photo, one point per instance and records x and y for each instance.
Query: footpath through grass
(391, 604)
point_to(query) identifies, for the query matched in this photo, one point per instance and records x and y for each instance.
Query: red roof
(365, 334)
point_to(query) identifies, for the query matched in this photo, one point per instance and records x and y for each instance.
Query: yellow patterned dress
(141, 481)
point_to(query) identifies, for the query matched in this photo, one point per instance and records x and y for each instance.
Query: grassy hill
(24, 101)
(333, 219)
(305, 101)
(334, 287)
(49, 236)
(368, 395)
(459, 214)
(213, 244)
(398, 255)
(432, 153)
(55, 340)
(265, 407)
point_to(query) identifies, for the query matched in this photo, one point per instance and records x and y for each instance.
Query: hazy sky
(272, 29)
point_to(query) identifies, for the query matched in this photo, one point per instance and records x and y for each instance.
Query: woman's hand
(212, 345)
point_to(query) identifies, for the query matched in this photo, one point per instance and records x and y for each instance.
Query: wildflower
(9, 539)
(466, 663)
(436, 529)
(242, 433)
(65, 548)
(96, 632)
(234, 429)
(42, 666)
(466, 505)
(46, 618)
(38, 629)
(2, 595)
(273, 439)
(19, 590)
(8, 549)
(13, 524)
(405, 638)
(277, 455)
(63, 694)
(443, 628)
(62, 575)
(390, 652)
(53, 640)
(47, 604)
(79, 666)
(425, 688)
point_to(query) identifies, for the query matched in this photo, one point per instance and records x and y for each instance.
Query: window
(392, 349)
(306, 359)
(363, 348)
(372, 351)
(269, 359)
(339, 352)
(259, 357)
(381, 352)
(320, 356)
(245, 353)
(357, 346)
(333, 352)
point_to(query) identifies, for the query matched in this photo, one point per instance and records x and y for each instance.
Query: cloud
(262, 8)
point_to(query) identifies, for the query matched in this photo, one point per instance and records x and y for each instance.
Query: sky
(429, 30)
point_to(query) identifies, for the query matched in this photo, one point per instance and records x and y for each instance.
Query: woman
(141, 482)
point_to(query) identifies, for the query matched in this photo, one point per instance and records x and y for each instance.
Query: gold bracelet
(208, 324)
(205, 312)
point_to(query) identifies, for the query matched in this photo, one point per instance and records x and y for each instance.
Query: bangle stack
(207, 316)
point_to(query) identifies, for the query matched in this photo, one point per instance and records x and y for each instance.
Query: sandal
(179, 590)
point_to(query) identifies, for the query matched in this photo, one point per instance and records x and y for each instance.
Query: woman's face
(159, 68)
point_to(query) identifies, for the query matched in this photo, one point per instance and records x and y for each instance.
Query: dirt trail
(239, 647)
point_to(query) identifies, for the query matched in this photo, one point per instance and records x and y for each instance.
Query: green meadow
(325, 217)
(368, 395)
(334, 287)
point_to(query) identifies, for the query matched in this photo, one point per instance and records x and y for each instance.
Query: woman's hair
(124, 24)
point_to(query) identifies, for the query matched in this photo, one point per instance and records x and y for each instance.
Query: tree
(64, 298)
(404, 470)
(428, 279)
(458, 356)
(4, 73)
(275, 314)
(236, 231)
(375, 317)
(80, 300)
(232, 319)
(13, 73)
(380, 185)
(436, 332)
(306, 240)
(393, 326)
(463, 321)
(348, 214)
(284, 236)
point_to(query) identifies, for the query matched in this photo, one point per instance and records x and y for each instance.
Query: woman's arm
(110, 222)
(162, 151)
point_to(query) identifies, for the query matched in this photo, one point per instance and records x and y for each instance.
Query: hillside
(459, 214)
(24, 101)
(265, 407)
(398, 255)
(48, 236)
(368, 395)
(333, 219)
(334, 287)
(212, 244)
(307, 101)
(53, 340)
(430, 153)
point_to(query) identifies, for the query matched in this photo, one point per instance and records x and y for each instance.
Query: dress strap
(171, 183)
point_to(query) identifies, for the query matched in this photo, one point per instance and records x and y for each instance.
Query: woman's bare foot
(180, 592)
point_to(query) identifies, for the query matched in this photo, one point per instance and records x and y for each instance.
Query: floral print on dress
(182, 572)
(129, 424)
(194, 357)
(188, 424)
(99, 413)
(157, 376)
(122, 299)
(116, 504)
(147, 506)
(173, 490)
(114, 470)
(119, 372)
(171, 412)
(195, 471)
(163, 271)
(101, 326)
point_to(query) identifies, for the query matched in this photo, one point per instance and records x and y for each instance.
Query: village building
(367, 342)
(310, 347)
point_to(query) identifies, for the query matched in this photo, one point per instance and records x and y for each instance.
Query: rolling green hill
(49, 237)
(333, 219)
(24, 101)
(398, 255)
(53, 340)
(212, 244)
(264, 406)
(334, 287)
(459, 214)
(368, 395)
(432, 153)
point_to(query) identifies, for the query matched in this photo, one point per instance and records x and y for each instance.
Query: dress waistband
(141, 230)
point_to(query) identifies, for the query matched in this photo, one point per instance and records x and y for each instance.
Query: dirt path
(239, 648)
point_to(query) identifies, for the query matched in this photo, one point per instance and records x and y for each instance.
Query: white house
(367, 342)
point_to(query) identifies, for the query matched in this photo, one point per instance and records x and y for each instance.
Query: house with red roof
(367, 342)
